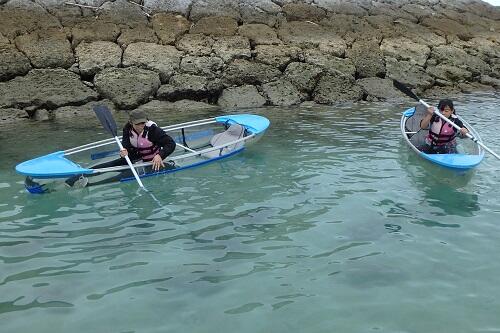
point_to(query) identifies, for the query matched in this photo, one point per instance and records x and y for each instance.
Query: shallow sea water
(328, 224)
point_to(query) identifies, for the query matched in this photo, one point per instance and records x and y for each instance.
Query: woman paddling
(142, 140)
(442, 135)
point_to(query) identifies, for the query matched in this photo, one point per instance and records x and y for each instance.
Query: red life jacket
(146, 148)
(441, 132)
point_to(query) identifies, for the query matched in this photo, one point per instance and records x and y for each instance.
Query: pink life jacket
(441, 133)
(146, 148)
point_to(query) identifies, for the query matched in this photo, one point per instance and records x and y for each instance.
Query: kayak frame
(459, 161)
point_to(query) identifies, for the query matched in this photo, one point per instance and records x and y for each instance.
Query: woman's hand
(123, 152)
(430, 110)
(464, 131)
(157, 162)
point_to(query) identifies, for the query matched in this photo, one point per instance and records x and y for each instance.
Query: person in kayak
(442, 135)
(142, 140)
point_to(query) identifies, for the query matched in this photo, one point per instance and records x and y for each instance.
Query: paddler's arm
(424, 123)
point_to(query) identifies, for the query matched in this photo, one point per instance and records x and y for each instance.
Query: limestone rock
(164, 59)
(303, 12)
(184, 86)
(303, 76)
(367, 58)
(49, 88)
(215, 26)
(20, 21)
(232, 47)
(408, 73)
(92, 30)
(260, 11)
(173, 6)
(95, 56)
(169, 27)
(404, 49)
(379, 89)
(196, 44)
(330, 63)
(305, 33)
(10, 116)
(241, 72)
(277, 55)
(259, 34)
(241, 97)
(140, 33)
(127, 87)
(205, 66)
(204, 8)
(336, 88)
(456, 57)
(281, 92)
(12, 62)
(46, 49)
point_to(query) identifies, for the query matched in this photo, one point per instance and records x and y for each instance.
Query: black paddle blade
(104, 115)
(404, 89)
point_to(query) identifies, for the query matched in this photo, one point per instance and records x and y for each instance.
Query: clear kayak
(468, 155)
(198, 142)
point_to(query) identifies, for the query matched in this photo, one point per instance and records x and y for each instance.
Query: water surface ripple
(329, 223)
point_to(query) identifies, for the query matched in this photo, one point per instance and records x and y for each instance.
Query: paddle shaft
(130, 164)
(470, 136)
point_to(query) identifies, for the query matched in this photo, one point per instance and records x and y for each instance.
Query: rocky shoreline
(58, 59)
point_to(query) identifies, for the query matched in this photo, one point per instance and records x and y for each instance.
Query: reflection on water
(442, 188)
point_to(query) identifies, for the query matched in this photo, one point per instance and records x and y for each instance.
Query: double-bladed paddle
(108, 122)
(407, 91)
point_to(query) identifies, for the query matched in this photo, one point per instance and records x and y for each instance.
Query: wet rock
(164, 59)
(95, 56)
(11, 115)
(232, 47)
(281, 92)
(303, 76)
(336, 88)
(127, 87)
(46, 49)
(169, 27)
(367, 59)
(49, 88)
(245, 96)
(204, 66)
(241, 72)
(81, 112)
(259, 34)
(12, 62)
(215, 26)
(196, 44)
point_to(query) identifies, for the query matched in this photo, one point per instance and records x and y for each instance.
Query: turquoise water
(328, 224)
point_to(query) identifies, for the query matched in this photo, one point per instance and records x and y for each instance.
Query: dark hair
(444, 103)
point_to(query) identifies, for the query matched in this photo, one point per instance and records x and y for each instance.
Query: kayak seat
(233, 133)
